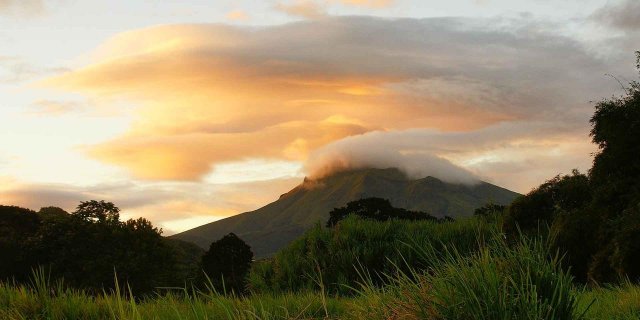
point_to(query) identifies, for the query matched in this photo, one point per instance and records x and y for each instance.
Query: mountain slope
(273, 226)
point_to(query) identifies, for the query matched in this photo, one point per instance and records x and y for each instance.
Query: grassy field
(496, 281)
(27, 303)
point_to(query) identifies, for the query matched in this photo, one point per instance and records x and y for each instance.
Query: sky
(186, 112)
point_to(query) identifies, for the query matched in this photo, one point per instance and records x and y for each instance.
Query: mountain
(273, 226)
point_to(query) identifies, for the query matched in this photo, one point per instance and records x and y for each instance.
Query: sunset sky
(189, 111)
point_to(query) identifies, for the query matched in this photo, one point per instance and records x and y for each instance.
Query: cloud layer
(211, 94)
(623, 14)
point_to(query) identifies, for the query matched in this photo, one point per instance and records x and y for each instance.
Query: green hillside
(275, 225)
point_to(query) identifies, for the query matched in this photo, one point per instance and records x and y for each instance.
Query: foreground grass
(490, 280)
(621, 303)
(30, 303)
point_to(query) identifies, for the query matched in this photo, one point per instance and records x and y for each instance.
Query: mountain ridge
(274, 225)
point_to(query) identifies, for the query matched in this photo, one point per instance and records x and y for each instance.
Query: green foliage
(562, 204)
(87, 247)
(612, 303)
(616, 131)
(339, 256)
(595, 220)
(37, 302)
(227, 263)
(540, 206)
(375, 209)
(499, 281)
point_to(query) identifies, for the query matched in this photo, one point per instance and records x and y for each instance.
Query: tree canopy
(375, 209)
(89, 247)
(227, 263)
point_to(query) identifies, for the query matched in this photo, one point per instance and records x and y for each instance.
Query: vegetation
(498, 281)
(595, 218)
(339, 256)
(86, 247)
(375, 209)
(227, 263)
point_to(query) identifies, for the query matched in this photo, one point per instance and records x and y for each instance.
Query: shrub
(339, 256)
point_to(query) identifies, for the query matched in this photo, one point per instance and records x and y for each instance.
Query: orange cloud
(209, 94)
(308, 9)
(368, 3)
(191, 155)
(237, 15)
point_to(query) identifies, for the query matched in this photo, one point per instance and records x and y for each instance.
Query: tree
(17, 225)
(98, 211)
(540, 206)
(616, 132)
(84, 248)
(615, 177)
(227, 263)
(375, 209)
(490, 211)
(52, 211)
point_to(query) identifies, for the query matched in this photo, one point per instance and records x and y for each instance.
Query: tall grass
(23, 302)
(382, 247)
(613, 302)
(499, 281)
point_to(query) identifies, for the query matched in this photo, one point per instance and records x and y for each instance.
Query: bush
(339, 256)
(540, 206)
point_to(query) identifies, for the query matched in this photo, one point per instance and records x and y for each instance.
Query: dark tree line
(377, 209)
(88, 247)
(595, 218)
(91, 246)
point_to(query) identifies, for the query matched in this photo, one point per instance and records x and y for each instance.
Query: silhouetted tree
(98, 211)
(375, 209)
(490, 211)
(227, 263)
(540, 206)
(17, 225)
(615, 177)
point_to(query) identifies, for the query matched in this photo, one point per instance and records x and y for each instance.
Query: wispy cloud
(15, 70)
(53, 107)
